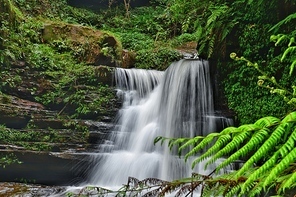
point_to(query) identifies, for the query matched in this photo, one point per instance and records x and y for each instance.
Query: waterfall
(174, 103)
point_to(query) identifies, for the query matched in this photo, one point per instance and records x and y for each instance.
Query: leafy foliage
(267, 149)
(267, 146)
(34, 140)
(8, 159)
(74, 87)
(242, 83)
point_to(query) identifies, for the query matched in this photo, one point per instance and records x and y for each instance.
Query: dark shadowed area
(102, 4)
(47, 169)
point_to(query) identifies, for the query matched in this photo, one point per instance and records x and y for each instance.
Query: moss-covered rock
(87, 44)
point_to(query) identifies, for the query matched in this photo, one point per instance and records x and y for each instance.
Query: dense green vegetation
(54, 73)
(62, 79)
(154, 33)
(267, 149)
(268, 145)
(261, 31)
(219, 28)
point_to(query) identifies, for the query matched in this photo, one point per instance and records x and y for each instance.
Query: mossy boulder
(89, 45)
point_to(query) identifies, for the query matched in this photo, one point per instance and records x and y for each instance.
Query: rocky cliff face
(56, 90)
(56, 78)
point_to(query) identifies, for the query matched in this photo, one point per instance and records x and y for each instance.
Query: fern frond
(282, 22)
(292, 41)
(221, 142)
(257, 139)
(289, 144)
(211, 45)
(177, 141)
(267, 121)
(287, 51)
(291, 117)
(208, 139)
(160, 139)
(288, 183)
(190, 142)
(285, 162)
(235, 190)
(236, 142)
(268, 165)
(216, 11)
(292, 67)
(256, 191)
(246, 188)
(269, 144)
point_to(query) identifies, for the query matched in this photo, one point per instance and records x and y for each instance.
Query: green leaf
(205, 141)
(267, 147)
(279, 168)
(258, 138)
(288, 183)
(221, 142)
(287, 51)
(292, 67)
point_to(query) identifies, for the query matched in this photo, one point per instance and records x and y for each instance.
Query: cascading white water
(174, 103)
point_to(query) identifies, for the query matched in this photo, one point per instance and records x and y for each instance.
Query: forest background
(261, 33)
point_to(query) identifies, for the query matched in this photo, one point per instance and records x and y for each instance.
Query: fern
(191, 142)
(213, 27)
(233, 191)
(257, 139)
(267, 121)
(273, 142)
(269, 144)
(253, 143)
(216, 12)
(278, 39)
(283, 22)
(292, 67)
(287, 183)
(257, 190)
(285, 162)
(208, 139)
(221, 142)
(236, 142)
(178, 141)
(287, 51)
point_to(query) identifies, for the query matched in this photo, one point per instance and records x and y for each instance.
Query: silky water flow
(174, 103)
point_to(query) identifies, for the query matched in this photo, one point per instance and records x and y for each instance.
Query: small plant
(8, 159)
(288, 95)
